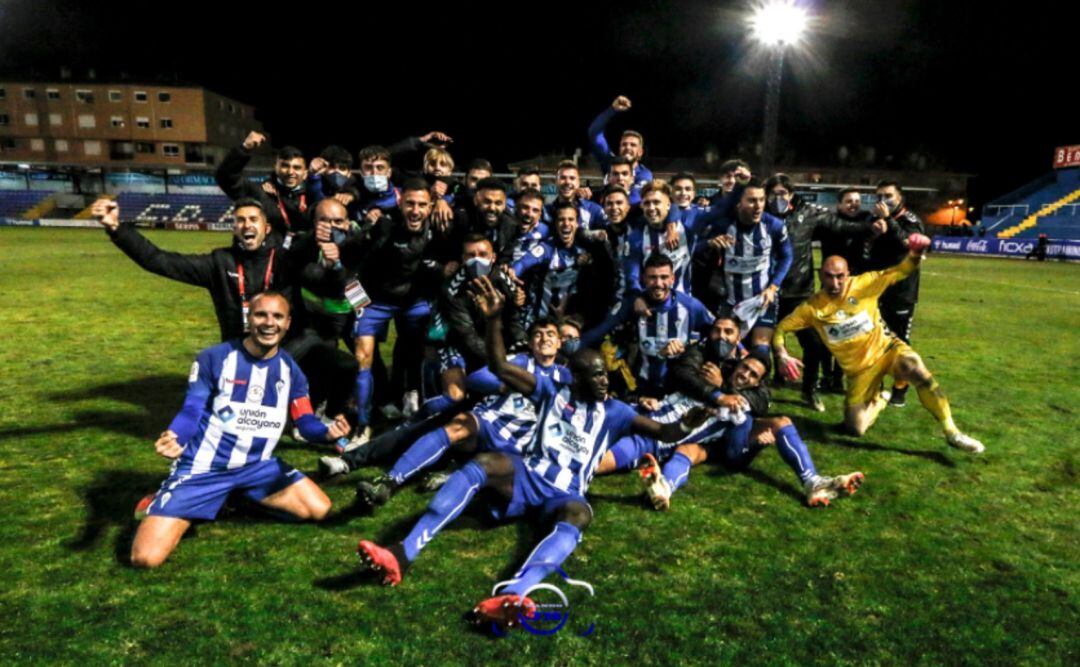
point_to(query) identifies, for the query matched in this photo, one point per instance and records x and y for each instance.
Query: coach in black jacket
(284, 196)
(706, 372)
(233, 275)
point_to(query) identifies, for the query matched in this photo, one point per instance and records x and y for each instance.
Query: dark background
(978, 87)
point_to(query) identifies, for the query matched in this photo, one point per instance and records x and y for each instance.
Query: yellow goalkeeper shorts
(864, 386)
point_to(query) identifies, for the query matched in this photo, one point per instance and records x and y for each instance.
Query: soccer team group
(632, 325)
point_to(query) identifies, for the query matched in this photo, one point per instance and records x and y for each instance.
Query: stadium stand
(21, 203)
(143, 207)
(1049, 205)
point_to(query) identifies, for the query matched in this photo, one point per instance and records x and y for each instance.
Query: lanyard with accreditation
(244, 303)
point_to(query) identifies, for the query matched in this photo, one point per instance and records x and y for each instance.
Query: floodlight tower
(775, 25)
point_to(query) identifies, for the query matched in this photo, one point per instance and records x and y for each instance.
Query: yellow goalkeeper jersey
(849, 323)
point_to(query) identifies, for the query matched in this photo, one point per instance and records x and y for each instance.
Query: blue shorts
(488, 438)
(376, 319)
(201, 496)
(734, 448)
(530, 490)
(449, 358)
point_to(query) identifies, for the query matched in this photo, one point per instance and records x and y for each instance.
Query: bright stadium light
(778, 23)
(776, 26)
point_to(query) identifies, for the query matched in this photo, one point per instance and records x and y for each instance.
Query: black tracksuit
(897, 304)
(684, 376)
(466, 325)
(288, 211)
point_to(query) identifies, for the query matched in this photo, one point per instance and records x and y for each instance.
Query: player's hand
(373, 215)
(790, 367)
(339, 429)
(107, 213)
(599, 235)
(584, 259)
(742, 175)
(672, 238)
(765, 437)
(345, 198)
(168, 446)
(621, 103)
(318, 165)
(512, 275)
(330, 252)
(674, 348)
(439, 188)
(722, 241)
(450, 268)
(519, 298)
(641, 308)
(322, 231)
(649, 403)
(917, 244)
(437, 138)
(442, 215)
(881, 211)
(269, 189)
(584, 192)
(488, 299)
(253, 140)
(695, 417)
(768, 296)
(879, 226)
(733, 402)
(711, 373)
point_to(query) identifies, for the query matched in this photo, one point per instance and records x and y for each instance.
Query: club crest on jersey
(255, 393)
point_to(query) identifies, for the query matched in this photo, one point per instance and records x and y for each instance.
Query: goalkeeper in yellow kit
(845, 315)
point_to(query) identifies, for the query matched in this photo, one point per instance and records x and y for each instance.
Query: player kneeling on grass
(733, 437)
(239, 396)
(578, 422)
(845, 315)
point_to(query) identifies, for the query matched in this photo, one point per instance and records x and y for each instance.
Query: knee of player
(779, 423)
(319, 509)
(455, 392)
(147, 558)
(459, 428)
(491, 462)
(577, 515)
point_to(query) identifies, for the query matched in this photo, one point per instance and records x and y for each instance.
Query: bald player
(845, 315)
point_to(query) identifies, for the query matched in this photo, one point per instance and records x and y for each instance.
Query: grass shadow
(110, 501)
(836, 434)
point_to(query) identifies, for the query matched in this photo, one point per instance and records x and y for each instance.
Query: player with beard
(554, 266)
(631, 148)
(577, 424)
(568, 191)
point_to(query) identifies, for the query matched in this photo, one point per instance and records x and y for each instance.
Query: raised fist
(107, 213)
(621, 103)
(253, 140)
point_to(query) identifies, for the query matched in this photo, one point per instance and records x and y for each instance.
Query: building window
(31, 119)
(221, 105)
(140, 96)
(116, 96)
(232, 108)
(28, 93)
(7, 143)
(92, 147)
(61, 146)
(142, 121)
(164, 97)
(56, 119)
(118, 121)
(85, 96)
(170, 150)
(3, 94)
(86, 121)
(52, 93)
(144, 147)
(37, 145)
(166, 123)
(4, 120)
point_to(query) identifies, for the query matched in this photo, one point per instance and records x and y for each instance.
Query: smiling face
(566, 224)
(658, 282)
(268, 320)
(291, 172)
(250, 228)
(544, 342)
(567, 181)
(748, 374)
(655, 206)
(630, 147)
(529, 211)
(683, 192)
(590, 376)
(490, 203)
(850, 205)
(616, 207)
(415, 207)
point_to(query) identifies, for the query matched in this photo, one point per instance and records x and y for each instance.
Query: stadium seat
(15, 203)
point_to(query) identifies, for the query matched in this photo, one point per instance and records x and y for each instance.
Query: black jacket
(468, 221)
(806, 223)
(395, 266)
(684, 376)
(466, 325)
(888, 250)
(289, 211)
(847, 246)
(217, 272)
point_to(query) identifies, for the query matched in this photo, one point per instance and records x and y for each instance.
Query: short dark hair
(574, 320)
(476, 237)
(613, 189)
(529, 170)
(542, 323)
(733, 164)
(491, 183)
(890, 183)
(761, 357)
(684, 176)
(249, 201)
(414, 184)
(730, 318)
(336, 155)
(374, 152)
(562, 206)
(290, 153)
(779, 179)
(754, 183)
(846, 191)
(619, 159)
(657, 259)
(567, 164)
(530, 193)
(481, 164)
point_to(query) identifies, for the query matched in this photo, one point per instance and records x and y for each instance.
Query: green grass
(941, 558)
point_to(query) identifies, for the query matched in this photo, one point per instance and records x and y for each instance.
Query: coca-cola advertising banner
(1055, 249)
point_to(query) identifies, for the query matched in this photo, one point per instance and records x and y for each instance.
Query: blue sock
(626, 452)
(545, 558)
(447, 504)
(763, 349)
(432, 406)
(795, 454)
(365, 383)
(424, 452)
(483, 381)
(677, 470)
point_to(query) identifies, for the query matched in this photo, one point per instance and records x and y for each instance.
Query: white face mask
(477, 267)
(376, 183)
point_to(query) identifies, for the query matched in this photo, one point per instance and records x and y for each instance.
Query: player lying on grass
(239, 395)
(845, 315)
(734, 437)
(577, 424)
(504, 421)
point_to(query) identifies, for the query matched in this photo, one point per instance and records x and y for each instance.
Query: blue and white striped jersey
(573, 435)
(761, 255)
(523, 244)
(556, 268)
(245, 404)
(513, 416)
(674, 406)
(590, 214)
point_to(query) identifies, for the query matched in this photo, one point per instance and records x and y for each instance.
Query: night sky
(980, 87)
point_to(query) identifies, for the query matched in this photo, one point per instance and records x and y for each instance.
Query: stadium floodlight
(776, 26)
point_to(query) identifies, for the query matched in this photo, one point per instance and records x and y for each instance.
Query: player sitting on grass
(578, 422)
(239, 395)
(734, 437)
(845, 315)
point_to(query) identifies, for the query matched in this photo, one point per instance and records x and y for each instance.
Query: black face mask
(721, 349)
(333, 183)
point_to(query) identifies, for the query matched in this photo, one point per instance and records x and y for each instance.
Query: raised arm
(490, 302)
(597, 141)
(230, 173)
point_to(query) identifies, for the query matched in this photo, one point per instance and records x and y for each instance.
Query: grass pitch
(940, 558)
